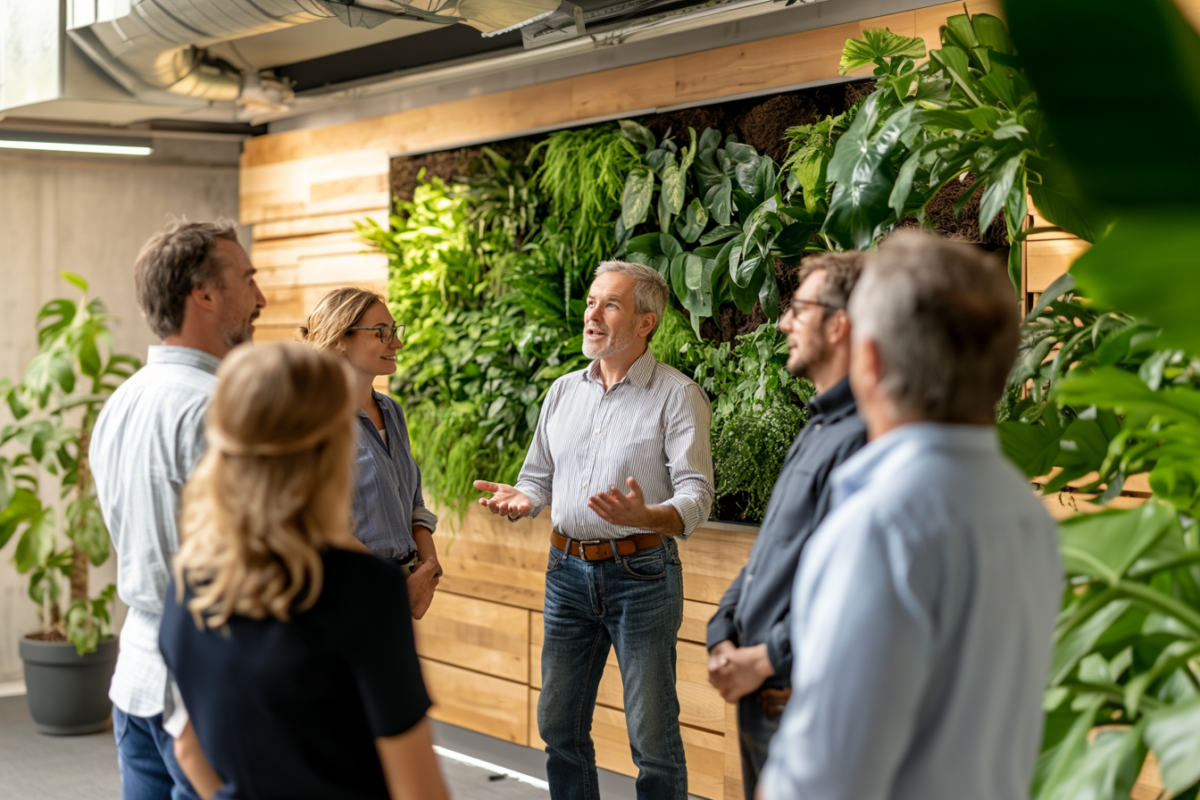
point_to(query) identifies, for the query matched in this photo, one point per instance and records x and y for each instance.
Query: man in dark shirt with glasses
(749, 638)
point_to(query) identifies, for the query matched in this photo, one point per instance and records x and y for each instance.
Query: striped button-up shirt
(652, 425)
(147, 441)
(387, 486)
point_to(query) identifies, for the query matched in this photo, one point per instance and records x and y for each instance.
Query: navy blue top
(387, 486)
(293, 709)
(757, 607)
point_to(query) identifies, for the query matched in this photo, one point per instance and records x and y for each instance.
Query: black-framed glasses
(795, 301)
(386, 333)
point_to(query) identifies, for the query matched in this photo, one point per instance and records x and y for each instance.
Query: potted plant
(69, 662)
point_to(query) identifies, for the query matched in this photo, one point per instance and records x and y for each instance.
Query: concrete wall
(88, 216)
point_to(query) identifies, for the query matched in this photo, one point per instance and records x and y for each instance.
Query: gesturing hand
(622, 509)
(505, 500)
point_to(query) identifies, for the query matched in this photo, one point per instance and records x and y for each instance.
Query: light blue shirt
(147, 440)
(922, 617)
(387, 486)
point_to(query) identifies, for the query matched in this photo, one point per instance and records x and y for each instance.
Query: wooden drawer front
(711, 560)
(482, 636)
(699, 703)
(705, 751)
(1047, 260)
(478, 702)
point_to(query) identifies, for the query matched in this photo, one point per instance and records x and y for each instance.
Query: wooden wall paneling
(278, 260)
(476, 634)
(1062, 505)
(711, 560)
(318, 224)
(493, 559)
(733, 756)
(695, 621)
(704, 751)
(758, 66)
(649, 86)
(481, 703)
(1046, 260)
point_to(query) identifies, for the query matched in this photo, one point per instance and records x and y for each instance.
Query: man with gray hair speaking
(614, 577)
(924, 605)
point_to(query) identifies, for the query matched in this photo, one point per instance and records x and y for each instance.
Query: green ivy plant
(56, 405)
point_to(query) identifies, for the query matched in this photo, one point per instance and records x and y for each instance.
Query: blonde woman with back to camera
(390, 516)
(294, 655)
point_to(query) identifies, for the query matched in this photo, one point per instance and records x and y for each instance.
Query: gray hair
(945, 321)
(650, 295)
(174, 261)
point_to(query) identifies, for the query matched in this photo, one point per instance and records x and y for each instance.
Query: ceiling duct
(157, 49)
(576, 18)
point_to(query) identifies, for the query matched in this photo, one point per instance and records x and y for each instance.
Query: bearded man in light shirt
(923, 610)
(196, 289)
(622, 456)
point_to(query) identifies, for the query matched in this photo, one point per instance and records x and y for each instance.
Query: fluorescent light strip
(475, 762)
(105, 149)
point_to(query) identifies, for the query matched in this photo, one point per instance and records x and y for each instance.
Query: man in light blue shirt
(924, 606)
(196, 289)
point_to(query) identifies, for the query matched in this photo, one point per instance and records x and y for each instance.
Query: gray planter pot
(68, 693)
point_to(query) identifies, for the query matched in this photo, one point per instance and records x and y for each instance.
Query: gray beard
(616, 343)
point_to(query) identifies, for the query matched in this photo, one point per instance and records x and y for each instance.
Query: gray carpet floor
(36, 767)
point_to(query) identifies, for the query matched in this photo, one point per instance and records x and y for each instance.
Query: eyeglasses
(386, 333)
(795, 301)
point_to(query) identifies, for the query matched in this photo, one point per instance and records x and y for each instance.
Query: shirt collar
(186, 356)
(383, 408)
(896, 449)
(837, 401)
(639, 373)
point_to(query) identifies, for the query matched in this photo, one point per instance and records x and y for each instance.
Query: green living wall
(492, 249)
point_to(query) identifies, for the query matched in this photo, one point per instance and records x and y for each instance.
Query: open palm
(505, 500)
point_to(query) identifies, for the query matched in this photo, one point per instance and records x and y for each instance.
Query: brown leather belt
(774, 700)
(603, 550)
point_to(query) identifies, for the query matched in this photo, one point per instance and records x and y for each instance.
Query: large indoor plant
(47, 496)
(1120, 398)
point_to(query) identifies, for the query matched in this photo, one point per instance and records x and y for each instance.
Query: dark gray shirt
(756, 609)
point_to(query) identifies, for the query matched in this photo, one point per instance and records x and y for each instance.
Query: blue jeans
(146, 759)
(755, 728)
(634, 603)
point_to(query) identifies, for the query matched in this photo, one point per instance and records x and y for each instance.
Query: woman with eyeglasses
(390, 516)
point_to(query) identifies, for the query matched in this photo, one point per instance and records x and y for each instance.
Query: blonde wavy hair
(334, 315)
(273, 489)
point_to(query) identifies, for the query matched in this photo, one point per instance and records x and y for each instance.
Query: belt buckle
(583, 548)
